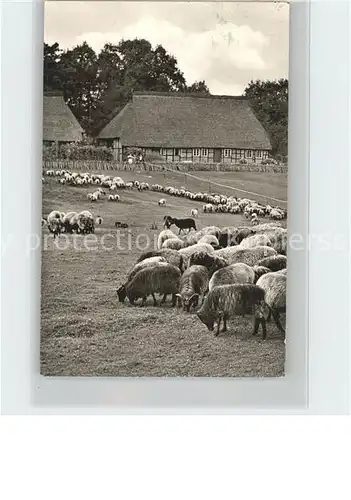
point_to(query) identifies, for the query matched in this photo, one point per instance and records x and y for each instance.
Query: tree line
(97, 86)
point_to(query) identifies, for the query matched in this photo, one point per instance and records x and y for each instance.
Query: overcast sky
(226, 44)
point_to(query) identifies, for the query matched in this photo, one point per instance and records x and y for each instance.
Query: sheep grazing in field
(193, 284)
(227, 236)
(194, 213)
(208, 208)
(257, 240)
(225, 301)
(208, 230)
(274, 263)
(54, 222)
(99, 220)
(160, 278)
(182, 224)
(172, 257)
(208, 260)
(164, 235)
(235, 273)
(162, 202)
(151, 261)
(187, 252)
(85, 222)
(274, 286)
(260, 271)
(210, 239)
(242, 233)
(174, 243)
(117, 197)
(69, 222)
(249, 256)
(111, 197)
(254, 219)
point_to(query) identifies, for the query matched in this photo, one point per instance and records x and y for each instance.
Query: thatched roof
(187, 120)
(60, 124)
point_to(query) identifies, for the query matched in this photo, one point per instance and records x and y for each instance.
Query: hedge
(74, 152)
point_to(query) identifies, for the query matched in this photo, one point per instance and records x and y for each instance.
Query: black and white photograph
(164, 189)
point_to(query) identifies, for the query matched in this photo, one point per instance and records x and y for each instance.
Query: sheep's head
(188, 301)
(122, 293)
(209, 322)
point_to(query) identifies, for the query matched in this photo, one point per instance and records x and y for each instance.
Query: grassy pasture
(85, 331)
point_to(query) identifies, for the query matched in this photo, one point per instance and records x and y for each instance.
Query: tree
(199, 87)
(53, 77)
(79, 67)
(269, 100)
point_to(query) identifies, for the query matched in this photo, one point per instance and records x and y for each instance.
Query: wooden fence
(96, 165)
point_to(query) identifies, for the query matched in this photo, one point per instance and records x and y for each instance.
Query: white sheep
(164, 235)
(117, 197)
(194, 213)
(162, 202)
(110, 197)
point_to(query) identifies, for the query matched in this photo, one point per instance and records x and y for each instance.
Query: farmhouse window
(249, 153)
(163, 152)
(196, 152)
(265, 154)
(205, 152)
(259, 154)
(176, 151)
(227, 153)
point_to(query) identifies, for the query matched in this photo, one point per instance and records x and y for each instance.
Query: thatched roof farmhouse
(60, 124)
(188, 127)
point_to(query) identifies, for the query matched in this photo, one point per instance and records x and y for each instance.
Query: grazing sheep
(257, 240)
(165, 235)
(274, 263)
(210, 261)
(54, 222)
(227, 236)
(235, 273)
(144, 263)
(174, 243)
(208, 230)
(117, 197)
(208, 208)
(85, 222)
(160, 278)
(69, 222)
(260, 271)
(249, 256)
(242, 233)
(279, 239)
(210, 239)
(187, 252)
(99, 220)
(274, 286)
(226, 301)
(90, 196)
(172, 257)
(162, 202)
(111, 197)
(193, 284)
(194, 213)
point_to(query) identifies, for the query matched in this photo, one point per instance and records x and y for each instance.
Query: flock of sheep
(213, 203)
(233, 271)
(219, 272)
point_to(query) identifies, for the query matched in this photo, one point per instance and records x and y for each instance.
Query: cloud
(214, 55)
